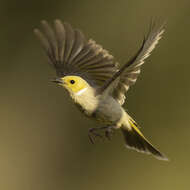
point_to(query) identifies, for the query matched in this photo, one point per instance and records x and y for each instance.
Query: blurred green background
(43, 137)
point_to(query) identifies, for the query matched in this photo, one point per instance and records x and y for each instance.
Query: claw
(92, 134)
(109, 133)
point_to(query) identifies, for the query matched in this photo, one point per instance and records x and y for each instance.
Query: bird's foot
(92, 134)
(108, 131)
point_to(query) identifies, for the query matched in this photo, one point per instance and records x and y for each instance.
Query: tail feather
(135, 140)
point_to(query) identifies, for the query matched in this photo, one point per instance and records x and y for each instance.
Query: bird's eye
(72, 81)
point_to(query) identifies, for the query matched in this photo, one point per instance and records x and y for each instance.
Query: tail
(135, 140)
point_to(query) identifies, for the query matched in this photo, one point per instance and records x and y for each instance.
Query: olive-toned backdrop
(43, 137)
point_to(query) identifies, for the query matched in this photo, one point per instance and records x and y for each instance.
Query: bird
(95, 81)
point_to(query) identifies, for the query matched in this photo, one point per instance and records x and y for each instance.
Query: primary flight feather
(94, 80)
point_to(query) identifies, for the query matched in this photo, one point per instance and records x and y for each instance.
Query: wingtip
(58, 21)
(43, 21)
(36, 30)
(156, 25)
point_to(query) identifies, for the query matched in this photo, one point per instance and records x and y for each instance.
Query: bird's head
(74, 84)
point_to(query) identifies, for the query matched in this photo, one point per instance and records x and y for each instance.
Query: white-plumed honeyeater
(95, 82)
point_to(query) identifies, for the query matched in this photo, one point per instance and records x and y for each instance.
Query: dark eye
(72, 81)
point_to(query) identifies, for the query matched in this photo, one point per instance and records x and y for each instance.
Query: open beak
(57, 81)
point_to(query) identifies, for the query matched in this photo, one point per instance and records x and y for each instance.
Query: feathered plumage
(130, 71)
(93, 79)
(70, 53)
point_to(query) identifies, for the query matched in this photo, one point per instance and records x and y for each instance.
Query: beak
(57, 81)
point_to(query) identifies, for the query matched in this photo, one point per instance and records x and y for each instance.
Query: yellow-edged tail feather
(134, 139)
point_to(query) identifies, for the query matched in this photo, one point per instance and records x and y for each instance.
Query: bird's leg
(93, 132)
(109, 132)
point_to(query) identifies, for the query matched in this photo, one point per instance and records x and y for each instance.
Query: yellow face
(73, 83)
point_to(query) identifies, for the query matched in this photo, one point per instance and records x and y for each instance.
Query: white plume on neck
(81, 91)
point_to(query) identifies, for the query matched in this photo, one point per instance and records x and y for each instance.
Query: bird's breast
(87, 103)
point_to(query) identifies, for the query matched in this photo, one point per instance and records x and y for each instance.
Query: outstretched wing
(71, 54)
(128, 74)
